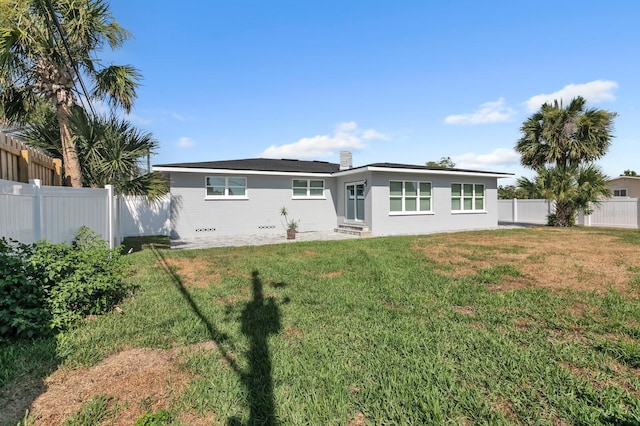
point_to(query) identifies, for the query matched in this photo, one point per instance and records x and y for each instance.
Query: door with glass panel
(354, 207)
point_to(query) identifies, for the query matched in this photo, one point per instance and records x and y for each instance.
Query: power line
(74, 64)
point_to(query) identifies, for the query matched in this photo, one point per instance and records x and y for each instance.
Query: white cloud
(177, 116)
(499, 157)
(347, 126)
(371, 134)
(594, 92)
(186, 142)
(347, 136)
(489, 112)
(137, 120)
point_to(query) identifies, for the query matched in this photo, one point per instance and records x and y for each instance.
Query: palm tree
(572, 189)
(560, 144)
(45, 46)
(111, 151)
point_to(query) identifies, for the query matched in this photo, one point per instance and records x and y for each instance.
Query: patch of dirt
(195, 273)
(332, 274)
(602, 380)
(504, 406)
(129, 377)
(546, 257)
(465, 310)
(292, 335)
(359, 420)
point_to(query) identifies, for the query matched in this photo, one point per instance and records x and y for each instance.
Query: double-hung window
(467, 197)
(409, 196)
(619, 192)
(308, 188)
(226, 187)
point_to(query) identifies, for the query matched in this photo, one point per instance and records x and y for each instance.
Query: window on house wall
(467, 197)
(409, 196)
(226, 187)
(619, 192)
(308, 188)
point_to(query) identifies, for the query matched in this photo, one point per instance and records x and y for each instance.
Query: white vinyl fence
(30, 212)
(613, 212)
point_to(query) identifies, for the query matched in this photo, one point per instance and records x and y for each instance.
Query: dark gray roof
(300, 166)
(415, 167)
(262, 164)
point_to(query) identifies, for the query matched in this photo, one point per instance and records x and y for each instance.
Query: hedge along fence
(20, 163)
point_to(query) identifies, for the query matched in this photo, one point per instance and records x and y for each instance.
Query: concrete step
(351, 229)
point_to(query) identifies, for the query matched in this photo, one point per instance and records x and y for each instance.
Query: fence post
(23, 166)
(638, 213)
(110, 227)
(515, 210)
(37, 209)
(57, 172)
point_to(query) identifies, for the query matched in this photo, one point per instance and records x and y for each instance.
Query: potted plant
(291, 225)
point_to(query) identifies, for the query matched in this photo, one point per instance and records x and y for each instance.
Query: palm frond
(118, 83)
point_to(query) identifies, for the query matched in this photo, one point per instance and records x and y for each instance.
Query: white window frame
(619, 191)
(308, 187)
(474, 197)
(226, 195)
(419, 196)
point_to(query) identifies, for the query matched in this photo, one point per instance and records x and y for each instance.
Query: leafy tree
(110, 150)
(45, 45)
(560, 143)
(509, 192)
(444, 163)
(630, 173)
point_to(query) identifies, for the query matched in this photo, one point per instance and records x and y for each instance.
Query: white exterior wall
(139, 217)
(442, 218)
(194, 216)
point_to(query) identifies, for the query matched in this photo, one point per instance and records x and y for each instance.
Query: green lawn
(367, 331)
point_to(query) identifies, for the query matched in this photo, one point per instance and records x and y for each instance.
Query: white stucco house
(245, 197)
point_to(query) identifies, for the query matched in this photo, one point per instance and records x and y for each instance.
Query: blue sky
(397, 81)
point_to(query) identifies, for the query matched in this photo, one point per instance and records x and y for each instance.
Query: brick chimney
(345, 160)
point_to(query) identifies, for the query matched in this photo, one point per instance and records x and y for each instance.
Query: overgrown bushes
(45, 286)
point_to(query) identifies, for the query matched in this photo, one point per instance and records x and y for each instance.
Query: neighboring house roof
(623, 177)
(300, 166)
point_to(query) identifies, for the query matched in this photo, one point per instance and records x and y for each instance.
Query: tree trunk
(564, 214)
(72, 171)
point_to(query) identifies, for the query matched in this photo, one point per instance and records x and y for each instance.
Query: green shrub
(552, 219)
(84, 278)
(23, 313)
(47, 286)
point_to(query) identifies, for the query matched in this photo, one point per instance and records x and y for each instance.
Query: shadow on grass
(133, 244)
(23, 367)
(260, 318)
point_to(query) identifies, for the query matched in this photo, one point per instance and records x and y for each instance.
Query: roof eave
(423, 171)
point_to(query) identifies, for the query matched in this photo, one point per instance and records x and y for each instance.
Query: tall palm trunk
(72, 171)
(56, 81)
(565, 214)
